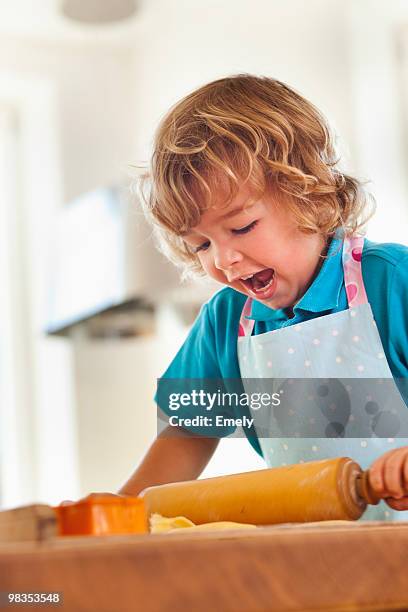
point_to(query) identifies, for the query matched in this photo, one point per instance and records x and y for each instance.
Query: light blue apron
(331, 351)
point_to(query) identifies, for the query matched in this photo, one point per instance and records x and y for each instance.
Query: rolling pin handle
(364, 489)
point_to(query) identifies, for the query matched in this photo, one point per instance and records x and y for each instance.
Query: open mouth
(260, 284)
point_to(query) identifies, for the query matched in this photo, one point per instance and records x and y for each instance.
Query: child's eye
(202, 247)
(246, 229)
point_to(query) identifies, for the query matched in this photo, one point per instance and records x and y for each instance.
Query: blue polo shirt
(210, 350)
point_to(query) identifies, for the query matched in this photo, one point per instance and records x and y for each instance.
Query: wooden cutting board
(326, 567)
(35, 522)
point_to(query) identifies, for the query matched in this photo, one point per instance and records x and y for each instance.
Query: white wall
(39, 415)
(184, 46)
(96, 100)
(116, 415)
(73, 106)
(379, 75)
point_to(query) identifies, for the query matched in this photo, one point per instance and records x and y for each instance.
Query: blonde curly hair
(248, 130)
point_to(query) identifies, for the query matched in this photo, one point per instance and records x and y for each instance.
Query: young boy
(245, 188)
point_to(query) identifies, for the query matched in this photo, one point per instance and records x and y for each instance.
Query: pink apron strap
(353, 276)
(246, 325)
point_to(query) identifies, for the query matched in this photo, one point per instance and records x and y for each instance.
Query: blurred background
(90, 313)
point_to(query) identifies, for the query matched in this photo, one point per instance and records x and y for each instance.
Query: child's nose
(226, 257)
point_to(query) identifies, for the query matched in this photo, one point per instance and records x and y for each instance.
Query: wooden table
(360, 566)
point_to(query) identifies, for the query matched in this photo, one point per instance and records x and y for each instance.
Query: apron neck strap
(353, 275)
(246, 326)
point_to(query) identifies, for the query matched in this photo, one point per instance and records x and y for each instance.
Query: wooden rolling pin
(332, 489)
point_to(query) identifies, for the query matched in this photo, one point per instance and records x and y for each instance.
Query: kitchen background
(90, 314)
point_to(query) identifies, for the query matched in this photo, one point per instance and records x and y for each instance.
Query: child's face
(260, 241)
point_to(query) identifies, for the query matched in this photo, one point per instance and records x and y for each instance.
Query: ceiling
(45, 19)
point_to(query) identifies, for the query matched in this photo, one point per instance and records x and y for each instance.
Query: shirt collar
(322, 295)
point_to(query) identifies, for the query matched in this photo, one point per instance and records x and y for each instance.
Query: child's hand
(388, 477)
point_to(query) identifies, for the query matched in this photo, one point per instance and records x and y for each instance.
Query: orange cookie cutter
(102, 514)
